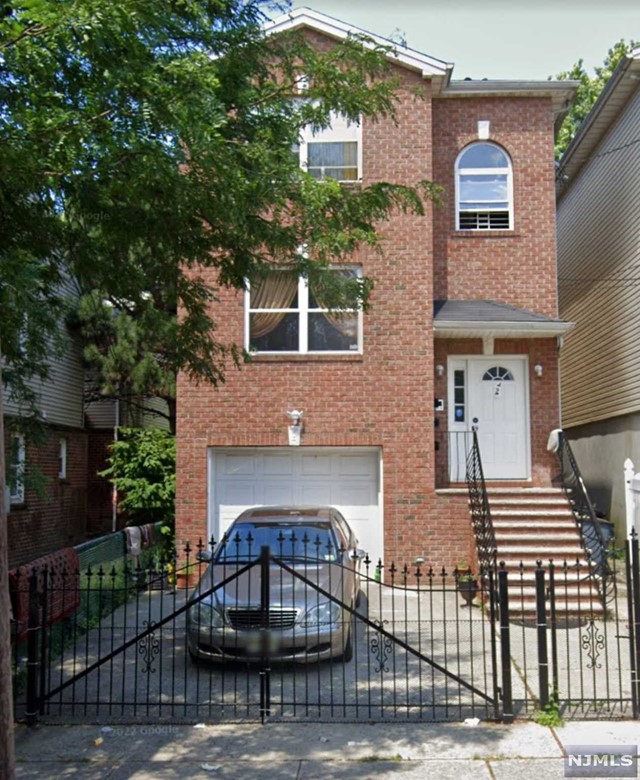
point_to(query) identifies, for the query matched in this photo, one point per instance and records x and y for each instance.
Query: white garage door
(348, 478)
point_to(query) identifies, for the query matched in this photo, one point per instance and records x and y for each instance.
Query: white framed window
(16, 469)
(282, 315)
(484, 188)
(62, 458)
(333, 153)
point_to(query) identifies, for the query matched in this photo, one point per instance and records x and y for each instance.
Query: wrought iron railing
(459, 444)
(479, 507)
(594, 539)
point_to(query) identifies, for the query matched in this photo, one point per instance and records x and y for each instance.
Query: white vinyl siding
(599, 278)
(60, 396)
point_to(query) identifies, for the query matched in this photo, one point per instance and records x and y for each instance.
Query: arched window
(497, 373)
(484, 188)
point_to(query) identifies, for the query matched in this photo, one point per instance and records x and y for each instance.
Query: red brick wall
(385, 396)
(377, 398)
(57, 518)
(516, 267)
(99, 512)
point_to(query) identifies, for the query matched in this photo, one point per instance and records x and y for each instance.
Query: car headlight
(323, 614)
(206, 616)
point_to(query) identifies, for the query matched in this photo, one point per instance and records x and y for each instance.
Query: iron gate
(407, 648)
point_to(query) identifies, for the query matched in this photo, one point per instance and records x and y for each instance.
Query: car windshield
(293, 541)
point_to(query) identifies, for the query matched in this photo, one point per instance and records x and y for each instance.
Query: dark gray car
(306, 624)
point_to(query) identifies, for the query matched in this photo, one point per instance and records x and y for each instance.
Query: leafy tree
(140, 142)
(143, 142)
(142, 466)
(588, 91)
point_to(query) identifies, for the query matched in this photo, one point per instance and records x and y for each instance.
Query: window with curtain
(284, 315)
(16, 469)
(484, 188)
(334, 152)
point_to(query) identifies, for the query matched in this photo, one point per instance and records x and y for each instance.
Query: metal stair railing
(589, 525)
(479, 506)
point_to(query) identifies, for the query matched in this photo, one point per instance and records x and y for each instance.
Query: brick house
(463, 328)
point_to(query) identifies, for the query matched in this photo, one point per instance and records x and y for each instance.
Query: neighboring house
(55, 496)
(47, 484)
(463, 327)
(599, 285)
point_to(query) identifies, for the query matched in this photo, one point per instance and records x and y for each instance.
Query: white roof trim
(429, 67)
(500, 330)
(305, 17)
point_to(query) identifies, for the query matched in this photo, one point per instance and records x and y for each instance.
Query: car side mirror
(204, 556)
(357, 554)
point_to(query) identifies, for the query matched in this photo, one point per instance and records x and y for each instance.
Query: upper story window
(62, 458)
(16, 469)
(484, 188)
(333, 153)
(283, 315)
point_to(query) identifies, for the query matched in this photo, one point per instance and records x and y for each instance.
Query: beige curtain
(275, 291)
(344, 321)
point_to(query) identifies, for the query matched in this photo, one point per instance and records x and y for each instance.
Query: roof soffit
(621, 86)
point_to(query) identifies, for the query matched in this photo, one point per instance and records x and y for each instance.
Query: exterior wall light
(538, 369)
(295, 428)
(440, 369)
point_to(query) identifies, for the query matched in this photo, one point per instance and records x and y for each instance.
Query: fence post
(633, 589)
(554, 627)
(541, 628)
(32, 651)
(505, 644)
(493, 600)
(43, 639)
(265, 670)
(629, 498)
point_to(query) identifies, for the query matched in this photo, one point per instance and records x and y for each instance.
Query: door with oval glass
(491, 394)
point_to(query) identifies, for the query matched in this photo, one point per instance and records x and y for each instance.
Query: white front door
(490, 394)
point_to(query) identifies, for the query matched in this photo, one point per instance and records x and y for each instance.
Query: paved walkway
(277, 751)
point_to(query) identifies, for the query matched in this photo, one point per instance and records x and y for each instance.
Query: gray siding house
(598, 223)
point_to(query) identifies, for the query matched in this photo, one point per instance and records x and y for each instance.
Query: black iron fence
(320, 634)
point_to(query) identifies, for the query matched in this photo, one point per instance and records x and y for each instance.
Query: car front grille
(247, 619)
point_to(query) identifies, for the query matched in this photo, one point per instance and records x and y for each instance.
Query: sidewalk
(302, 751)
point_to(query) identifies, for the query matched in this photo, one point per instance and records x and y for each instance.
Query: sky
(497, 39)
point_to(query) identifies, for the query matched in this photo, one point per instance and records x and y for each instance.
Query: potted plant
(467, 585)
(186, 576)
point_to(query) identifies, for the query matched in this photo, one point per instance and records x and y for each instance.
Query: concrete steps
(536, 524)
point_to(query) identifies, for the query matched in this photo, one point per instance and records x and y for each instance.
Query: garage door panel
(238, 465)
(314, 493)
(316, 465)
(325, 476)
(356, 495)
(239, 493)
(275, 465)
(228, 514)
(277, 494)
(355, 465)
